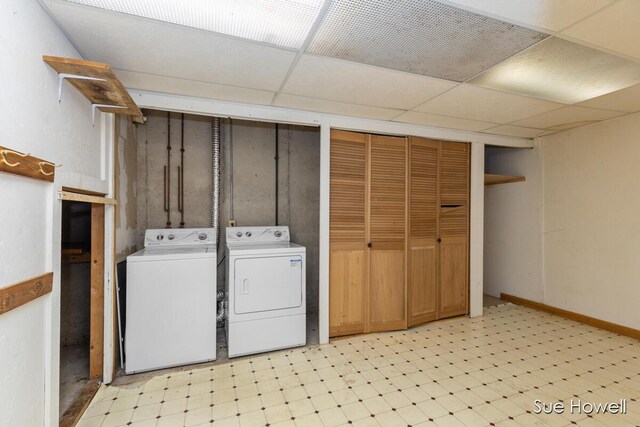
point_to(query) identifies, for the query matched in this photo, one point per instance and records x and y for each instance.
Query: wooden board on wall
(15, 162)
(13, 296)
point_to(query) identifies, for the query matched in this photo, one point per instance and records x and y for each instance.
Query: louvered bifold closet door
(348, 264)
(423, 225)
(454, 229)
(387, 229)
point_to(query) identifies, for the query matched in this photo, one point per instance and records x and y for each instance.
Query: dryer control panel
(258, 234)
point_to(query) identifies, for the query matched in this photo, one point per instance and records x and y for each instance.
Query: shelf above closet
(493, 179)
(97, 83)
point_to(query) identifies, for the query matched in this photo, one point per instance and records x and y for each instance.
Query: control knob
(202, 236)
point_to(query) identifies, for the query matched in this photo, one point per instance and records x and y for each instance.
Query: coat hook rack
(15, 162)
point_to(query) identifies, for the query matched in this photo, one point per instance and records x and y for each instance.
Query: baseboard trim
(587, 320)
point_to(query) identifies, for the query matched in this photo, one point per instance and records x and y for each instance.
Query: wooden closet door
(423, 225)
(454, 229)
(387, 233)
(348, 264)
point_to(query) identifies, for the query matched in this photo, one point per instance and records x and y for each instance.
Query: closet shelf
(493, 179)
(97, 83)
(75, 255)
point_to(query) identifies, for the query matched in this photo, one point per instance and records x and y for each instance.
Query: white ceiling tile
(561, 71)
(418, 36)
(333, 107)
(567, 118)
(515, 131)
(477, 103)
(280, 22)
(616, 27)
(417, 118)
(137, 44)
(623, 100)
(150, 82)
(337, 80)
(553, 15)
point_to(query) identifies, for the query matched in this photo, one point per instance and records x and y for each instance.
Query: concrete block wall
(248, 181)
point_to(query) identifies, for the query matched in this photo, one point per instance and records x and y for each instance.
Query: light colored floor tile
(457, 371)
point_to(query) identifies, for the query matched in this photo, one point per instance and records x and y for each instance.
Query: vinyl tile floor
(483, 371)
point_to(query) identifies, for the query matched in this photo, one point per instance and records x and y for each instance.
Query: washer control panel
(258, 234)
(179, 237)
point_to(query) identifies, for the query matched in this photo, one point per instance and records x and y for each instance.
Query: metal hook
(4, 160)
(43, 163)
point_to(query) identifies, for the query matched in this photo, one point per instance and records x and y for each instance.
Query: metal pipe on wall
(167, 174)
(277, 158)
(181, 176)
(215, 148)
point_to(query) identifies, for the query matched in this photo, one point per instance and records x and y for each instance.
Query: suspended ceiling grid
(482, 66)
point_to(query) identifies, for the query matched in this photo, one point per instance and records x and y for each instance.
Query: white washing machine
(266, 289)
(171, 300)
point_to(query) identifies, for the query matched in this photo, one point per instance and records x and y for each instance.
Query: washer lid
(175, 253)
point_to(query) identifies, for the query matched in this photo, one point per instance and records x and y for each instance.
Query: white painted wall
(568, 237)
(33, 121)
(512, 225)
(592, 220)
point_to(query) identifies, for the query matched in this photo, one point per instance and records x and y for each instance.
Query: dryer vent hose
(215, 149)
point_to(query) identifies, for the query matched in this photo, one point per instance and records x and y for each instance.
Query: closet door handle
(439, 240)
(369, 245)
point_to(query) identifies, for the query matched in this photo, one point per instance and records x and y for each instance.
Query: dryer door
(267, 283)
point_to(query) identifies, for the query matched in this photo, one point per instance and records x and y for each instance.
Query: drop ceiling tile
(337, 80)
(623, 100)
(552, 15)
(417, 118)
(477, 103)
(150, 82)
(615, 28)
(561, 71)
(333, 107)
(515, 131)
(567, 118)
(280, 22)
(137, 44)
(418, 36)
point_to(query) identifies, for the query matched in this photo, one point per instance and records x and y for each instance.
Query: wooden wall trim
(86, 198)
(587, 320)
(18, 294)
(12, 161)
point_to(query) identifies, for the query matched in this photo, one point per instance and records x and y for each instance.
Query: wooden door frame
(96, 335)
(98, 236)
